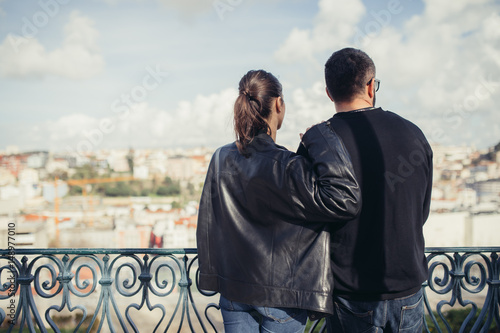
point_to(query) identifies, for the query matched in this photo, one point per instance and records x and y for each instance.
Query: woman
(261, 241)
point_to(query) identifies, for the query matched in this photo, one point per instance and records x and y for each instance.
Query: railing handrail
(28, 251)
(127, 251)
(462, 249)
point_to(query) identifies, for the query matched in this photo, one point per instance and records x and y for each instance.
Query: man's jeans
(244, 318)
(404, 314)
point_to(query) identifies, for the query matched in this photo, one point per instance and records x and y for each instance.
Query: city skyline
(163, 74)
(173, 152)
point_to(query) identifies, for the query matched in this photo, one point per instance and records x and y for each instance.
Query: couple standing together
(333, 230)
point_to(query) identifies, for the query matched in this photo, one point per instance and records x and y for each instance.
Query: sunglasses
(377, 83)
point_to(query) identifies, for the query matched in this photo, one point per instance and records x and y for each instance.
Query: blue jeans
(244, 318)
(404, 315)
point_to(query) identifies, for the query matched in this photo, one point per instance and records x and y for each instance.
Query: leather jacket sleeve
(323, 188)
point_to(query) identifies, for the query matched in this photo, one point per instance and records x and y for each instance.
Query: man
(378, 259)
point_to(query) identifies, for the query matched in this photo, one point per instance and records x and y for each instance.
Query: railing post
(491, 306)
(26, 301)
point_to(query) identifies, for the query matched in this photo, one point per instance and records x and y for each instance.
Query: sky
(84, 75)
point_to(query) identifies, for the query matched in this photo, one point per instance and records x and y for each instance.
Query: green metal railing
(156, 290)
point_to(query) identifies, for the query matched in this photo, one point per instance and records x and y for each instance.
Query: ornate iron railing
(151, 290)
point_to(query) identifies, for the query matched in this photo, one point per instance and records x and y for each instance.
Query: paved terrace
(155, 290)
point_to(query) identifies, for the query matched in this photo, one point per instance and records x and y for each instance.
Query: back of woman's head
(257, 91)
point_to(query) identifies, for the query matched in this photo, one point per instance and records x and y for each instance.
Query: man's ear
(371, 88)
(328, 94)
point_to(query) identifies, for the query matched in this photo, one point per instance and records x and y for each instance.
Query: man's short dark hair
(347, 72)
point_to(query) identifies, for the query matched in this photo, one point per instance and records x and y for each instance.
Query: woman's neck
(272, 122)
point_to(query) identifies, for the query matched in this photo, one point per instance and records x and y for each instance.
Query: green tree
(176, 205)
(167, 191)
(121, 189)
(87, 171)
(169, 187)
(455, 318)
(75, 190)
(190, 188)
(60, 174)
(130, 160)
(145, 192)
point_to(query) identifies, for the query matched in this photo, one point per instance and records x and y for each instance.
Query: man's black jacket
(261, 234)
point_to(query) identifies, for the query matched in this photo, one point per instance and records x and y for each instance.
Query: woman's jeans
(244, 318)
(404, 315)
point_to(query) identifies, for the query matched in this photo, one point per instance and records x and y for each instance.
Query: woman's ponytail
(257, 89)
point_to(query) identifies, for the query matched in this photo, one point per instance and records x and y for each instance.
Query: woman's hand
(302, 134)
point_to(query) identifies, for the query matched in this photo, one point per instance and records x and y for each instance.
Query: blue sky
(85, 75)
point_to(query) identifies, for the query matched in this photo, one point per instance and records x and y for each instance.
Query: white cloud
(433, 68)
(440, 69)
(207, 120)
(77, 58)
(333, 28)
(304, 107)
(186, 7)
(443, 70)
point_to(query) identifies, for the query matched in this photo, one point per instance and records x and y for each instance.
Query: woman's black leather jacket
(262, 237)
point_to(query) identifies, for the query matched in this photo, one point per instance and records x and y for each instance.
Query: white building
(6, 177)
(141, 172)
(29, 183)
(59, 164)
(117, 160)
(37, 160)
(157, 163)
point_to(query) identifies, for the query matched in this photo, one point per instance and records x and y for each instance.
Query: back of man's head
(347, 72)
